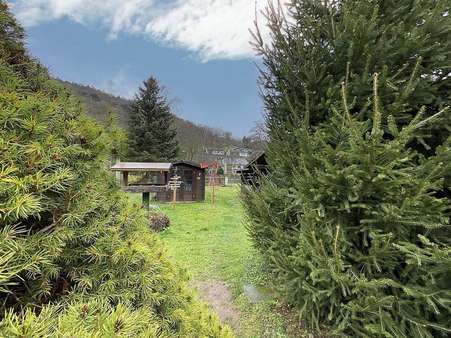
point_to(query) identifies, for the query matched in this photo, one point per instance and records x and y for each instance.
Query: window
(188, 180)
(237, 168)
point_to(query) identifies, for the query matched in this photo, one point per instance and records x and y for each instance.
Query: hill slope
(193, 138)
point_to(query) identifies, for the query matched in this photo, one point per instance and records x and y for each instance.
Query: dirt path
(219, 297)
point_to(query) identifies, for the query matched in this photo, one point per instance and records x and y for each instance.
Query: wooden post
(213, 198)
(174, 184)
(174, 197)
(214, 172)
(146, 200)
(125, 178)
(117, 174)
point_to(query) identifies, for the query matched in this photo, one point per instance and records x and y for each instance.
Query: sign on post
(174, 183)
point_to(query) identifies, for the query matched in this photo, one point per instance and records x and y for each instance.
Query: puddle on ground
(257, 294)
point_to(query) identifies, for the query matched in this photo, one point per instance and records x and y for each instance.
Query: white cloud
(213, 29)
(120, 85)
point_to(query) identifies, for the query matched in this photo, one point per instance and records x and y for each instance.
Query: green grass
(211, 242)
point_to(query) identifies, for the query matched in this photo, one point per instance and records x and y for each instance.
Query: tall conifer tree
(152, 135)
(354, 218)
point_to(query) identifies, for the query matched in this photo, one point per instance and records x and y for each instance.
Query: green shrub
(76, 258)
(354, 216)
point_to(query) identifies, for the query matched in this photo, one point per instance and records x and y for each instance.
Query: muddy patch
(219, 297)
(257, 294)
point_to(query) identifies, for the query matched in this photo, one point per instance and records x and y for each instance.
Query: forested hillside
(192, 138)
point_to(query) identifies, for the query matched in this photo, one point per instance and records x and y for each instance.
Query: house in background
(230, 159)
(152, 180)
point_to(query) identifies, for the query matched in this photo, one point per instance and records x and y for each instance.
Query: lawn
(211, 242)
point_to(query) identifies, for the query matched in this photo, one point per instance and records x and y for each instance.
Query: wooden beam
(144, 188)
(125, 178)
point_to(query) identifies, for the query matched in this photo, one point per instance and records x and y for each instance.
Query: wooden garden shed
(152, 180)
(256, 168)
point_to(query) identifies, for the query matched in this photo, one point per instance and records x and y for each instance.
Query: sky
(199, 51)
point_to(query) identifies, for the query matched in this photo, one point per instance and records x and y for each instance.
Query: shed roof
(258, 158)
(189, 163)
(140, 166)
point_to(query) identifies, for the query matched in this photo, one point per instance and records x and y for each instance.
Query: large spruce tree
(77, 259)
(152, 135)
(354, 218)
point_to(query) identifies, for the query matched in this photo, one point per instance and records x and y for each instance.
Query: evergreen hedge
(354, 218)
(77, 259)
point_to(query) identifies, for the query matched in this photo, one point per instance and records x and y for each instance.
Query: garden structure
(152, 180)
(256, 167)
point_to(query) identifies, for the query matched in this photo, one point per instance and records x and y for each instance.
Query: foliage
(355, 214)
(12, 50)
(151, 131)
(159, 221)
(257, 139)
(76, 257)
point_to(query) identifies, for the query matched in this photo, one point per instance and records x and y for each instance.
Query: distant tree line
(192, 138)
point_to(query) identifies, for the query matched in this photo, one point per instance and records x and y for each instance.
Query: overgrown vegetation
(354, 217)
(76, 258)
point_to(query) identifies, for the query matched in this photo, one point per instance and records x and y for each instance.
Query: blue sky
(198, 49)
